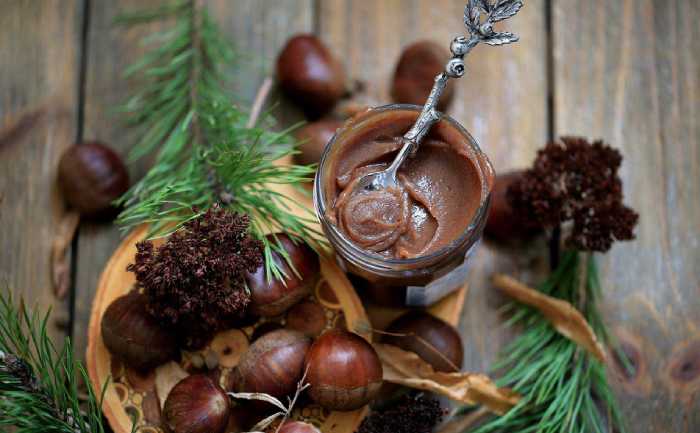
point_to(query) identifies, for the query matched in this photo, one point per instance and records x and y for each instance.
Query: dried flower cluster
(419, 414)
(574, 180)
(195, 281)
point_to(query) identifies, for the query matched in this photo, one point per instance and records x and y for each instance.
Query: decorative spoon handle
(479, 32)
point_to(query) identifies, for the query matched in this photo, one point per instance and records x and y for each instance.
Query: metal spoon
(479, 32)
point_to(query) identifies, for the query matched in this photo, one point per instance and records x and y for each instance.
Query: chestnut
(502, 224)
(343, 371)
(307, 317)
(313, 138)
(298, 427)
(437, 342)
(415, 74)
(134, 336)
(272, 297)
(91, 176)
(196, 405)
(310, 75)
(274, 363)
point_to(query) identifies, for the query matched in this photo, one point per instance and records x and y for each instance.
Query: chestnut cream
(423, 228)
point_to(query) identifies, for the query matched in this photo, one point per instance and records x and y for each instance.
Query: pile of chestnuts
(342, 370)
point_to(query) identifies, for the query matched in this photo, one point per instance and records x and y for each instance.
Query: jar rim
(387, 263)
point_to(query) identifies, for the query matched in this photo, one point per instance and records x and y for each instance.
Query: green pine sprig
(207, 150)
(38, 383)
(564, 388)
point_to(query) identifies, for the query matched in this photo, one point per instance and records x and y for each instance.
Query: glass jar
(397, 281)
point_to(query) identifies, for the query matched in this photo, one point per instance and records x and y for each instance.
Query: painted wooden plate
(134, 397)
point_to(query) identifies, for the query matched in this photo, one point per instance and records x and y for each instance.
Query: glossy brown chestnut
(298, 427)
(437, 342)
(274, 297)
(91, 176)
(344, 371)
(132, 335)
(415, 74)
(196, 405)
(274, 363)
(310, 75)
(503, 225)
(313, 138)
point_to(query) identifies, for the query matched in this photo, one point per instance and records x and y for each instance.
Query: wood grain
(628, 71)
(501, 101)
(40, 58)
(110, 49)
(257, 28)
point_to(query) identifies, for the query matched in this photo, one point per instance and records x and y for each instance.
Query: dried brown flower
(195, 281)
(575, 180)
(411, 414)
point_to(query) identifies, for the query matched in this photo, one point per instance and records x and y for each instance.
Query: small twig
(60, 266)
(222, 193)
(583, 280)
(196, 7)
(260, 98)
(301, 386)
(285, 411)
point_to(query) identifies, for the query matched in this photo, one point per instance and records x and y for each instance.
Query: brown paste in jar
(440, 188)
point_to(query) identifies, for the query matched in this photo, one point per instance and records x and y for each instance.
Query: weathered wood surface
(39, 82)
(628, 71)
(254, 26)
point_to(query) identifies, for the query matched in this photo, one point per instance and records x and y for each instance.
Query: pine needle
(206, 149)
(564, 388)
(38, 383)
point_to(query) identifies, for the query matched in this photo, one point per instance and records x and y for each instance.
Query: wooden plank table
(626, 71)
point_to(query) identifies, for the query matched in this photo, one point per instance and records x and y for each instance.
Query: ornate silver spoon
(479, 32)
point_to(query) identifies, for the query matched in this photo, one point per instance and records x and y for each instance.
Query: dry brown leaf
(565, 318)
(60, 265)
(167, 376)
(408, 369)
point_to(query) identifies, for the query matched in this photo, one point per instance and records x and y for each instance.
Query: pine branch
(38, 384)
(206, 149)
(563, 387)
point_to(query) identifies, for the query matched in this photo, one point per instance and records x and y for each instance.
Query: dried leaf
(408, 369)
(265, 423)
(501, 38)
(259, 396)
(566, 319)
(505, 9)
(60, 265)
(167, 376)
